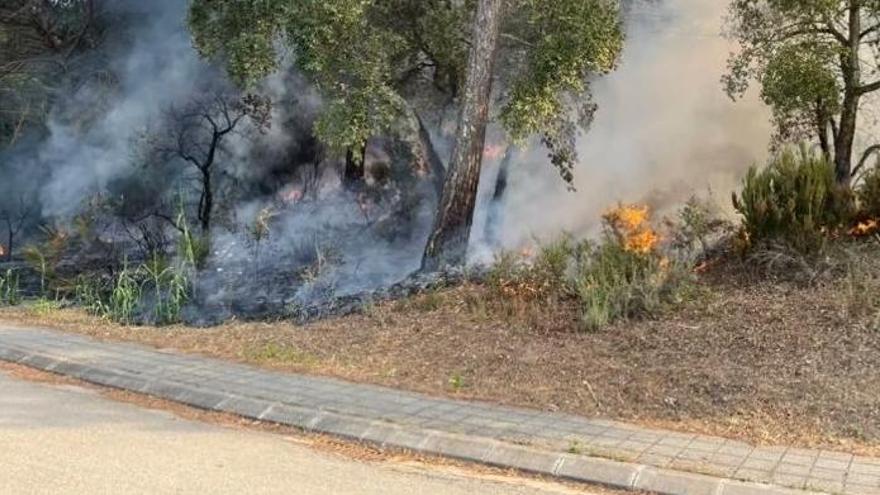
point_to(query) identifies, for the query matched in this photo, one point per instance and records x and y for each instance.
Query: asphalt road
(69, 440)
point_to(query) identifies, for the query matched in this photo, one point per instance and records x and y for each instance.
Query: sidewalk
(565, 446)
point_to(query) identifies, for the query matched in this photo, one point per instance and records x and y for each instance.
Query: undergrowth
(626, 273)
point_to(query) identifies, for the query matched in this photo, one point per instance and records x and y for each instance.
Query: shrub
(795, 200)
(623, 275)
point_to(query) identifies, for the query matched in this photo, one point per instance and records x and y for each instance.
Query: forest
(651, 210)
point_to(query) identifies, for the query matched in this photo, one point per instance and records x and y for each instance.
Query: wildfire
(865, 228)
(2, 250)
(631, 224)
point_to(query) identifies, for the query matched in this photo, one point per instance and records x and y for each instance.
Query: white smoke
(665, 130)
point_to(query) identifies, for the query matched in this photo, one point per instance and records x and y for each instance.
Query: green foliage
(794, 201)
(157, 286)
(10, 293)
(608, 280)
(192, 247)
(800, 52)
(125, 296)
(613, 283)
(371, 58)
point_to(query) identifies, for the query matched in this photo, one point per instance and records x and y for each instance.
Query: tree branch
(867, 154)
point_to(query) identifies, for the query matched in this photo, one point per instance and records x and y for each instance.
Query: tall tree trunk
(353, 174)
(852, 74)
(448, 242)
(206, 205)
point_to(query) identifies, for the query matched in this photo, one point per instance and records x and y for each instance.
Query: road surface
(57, 439)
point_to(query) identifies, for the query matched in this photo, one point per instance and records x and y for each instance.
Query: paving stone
(469, 449)
(741, 488)
(820, 485)
(676, 441)
(727, 460)
(676, 483)
(828, 474)
(346, 427)
(291, 416)
(863, 479)
(789, 480)
(793, 469)
(526, 459)
(857, 489)
(247, 407)
(799, 460)
(753, 474)
(759, 464)
(595, 470)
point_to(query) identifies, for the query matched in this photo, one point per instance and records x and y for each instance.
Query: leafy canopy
(373, 59)
(799, 51)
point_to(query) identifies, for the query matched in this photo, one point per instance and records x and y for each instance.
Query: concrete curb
(573, 467)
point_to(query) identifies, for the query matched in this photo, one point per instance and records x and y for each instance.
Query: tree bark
(353, 174)
(852, 71)
(448, 242)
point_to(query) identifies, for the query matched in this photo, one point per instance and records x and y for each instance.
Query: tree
(196, 135)
(815, 61)
(16, 215)
(376, 60)
(38, 41)
(449, 237)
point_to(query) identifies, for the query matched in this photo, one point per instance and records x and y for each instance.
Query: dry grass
(751, 359)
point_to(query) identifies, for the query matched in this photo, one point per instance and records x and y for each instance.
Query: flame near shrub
(622, 275)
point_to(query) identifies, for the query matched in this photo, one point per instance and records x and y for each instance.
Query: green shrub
(623, 275)
(614, 283)
(795, 200)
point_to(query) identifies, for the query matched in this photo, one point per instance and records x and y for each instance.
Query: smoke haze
(664, 130)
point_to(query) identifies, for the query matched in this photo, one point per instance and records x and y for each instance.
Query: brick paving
(608, 452)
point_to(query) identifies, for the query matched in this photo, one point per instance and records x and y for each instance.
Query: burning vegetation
(630, 225)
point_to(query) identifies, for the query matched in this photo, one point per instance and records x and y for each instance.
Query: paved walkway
(561, 445)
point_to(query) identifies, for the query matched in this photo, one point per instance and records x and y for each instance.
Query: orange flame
(866, 228)
(2, 250)
(631, 225)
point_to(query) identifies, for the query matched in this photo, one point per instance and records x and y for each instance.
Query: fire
(2, 250)
(631, 224)
(865, 228)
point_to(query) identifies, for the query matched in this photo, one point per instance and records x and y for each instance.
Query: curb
(572, 467)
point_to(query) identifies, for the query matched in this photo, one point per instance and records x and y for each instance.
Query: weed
(44, 306)
(456, 382)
